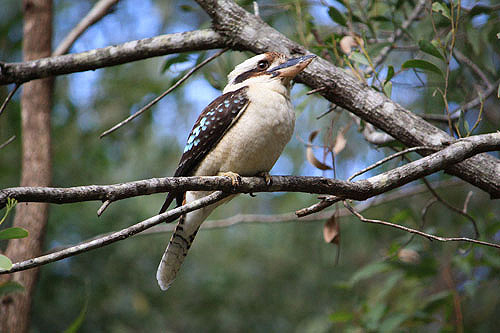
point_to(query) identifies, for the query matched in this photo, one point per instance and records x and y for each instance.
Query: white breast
(257, 139)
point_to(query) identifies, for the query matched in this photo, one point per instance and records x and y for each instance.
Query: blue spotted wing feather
(215, 120)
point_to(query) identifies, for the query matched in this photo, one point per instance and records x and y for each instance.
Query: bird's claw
(235, 178)
(267, 177)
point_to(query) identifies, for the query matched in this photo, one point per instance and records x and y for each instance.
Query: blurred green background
(279, 277)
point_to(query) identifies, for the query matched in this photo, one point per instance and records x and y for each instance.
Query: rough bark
(110, 56)
(36, 164)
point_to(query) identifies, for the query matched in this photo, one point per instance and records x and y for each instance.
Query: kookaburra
(242, 132)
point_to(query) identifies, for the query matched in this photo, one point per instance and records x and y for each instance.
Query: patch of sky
(480, 20)
(320, 12)
(404, 87)
(83, 87)
(284, 166)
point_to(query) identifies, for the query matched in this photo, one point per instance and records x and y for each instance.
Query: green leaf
(466, 126)
(441, 8)
(374, 50)
(337, 16)
(10, 287)
(13, 233)
(11, 203)
(183, 57)
(373, 316)
(427, 47)
(390, 74)
(380, 18)
(77, 323)
(422, 64)
(498, 93)
(5, 262)
(368, 271)
(358, 57)
(393, 322)
(388, 89)
(341, 317)
(187, 8)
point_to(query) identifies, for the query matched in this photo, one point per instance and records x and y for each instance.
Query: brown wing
(215, 120)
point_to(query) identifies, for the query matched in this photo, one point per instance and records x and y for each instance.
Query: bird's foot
(235, 178)
(267, 177)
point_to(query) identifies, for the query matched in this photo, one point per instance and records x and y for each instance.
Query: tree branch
(100, 9)
(359, 190)
(169, 216)
(112, 55)
(418, 232)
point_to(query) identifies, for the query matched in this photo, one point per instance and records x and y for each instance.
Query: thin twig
(103, 207)
(475, 68)
(12, 138)
(455, 114)
(100, 9)
(256, 11)
(388, 158)
(330, 109)
(417, 232)
(451, 207)
(169, 216)
(169, 90)
(9, 96)
(324, 203)
(315, 90)
(466, 201)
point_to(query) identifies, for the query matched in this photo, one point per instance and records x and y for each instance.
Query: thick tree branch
(359, 190)
(249, 32)
(111, 55)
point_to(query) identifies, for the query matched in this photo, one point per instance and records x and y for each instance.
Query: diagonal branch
(169, 216)
(165, 93)
(359, 190)
(100, 9)
(112, 55)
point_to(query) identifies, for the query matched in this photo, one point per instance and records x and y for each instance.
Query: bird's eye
(263, 64)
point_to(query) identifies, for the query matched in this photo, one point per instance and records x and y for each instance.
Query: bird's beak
(291, 67)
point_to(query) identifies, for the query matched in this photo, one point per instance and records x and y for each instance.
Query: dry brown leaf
(340, 143)
(348, 42)
(310, 154)
(331, 230)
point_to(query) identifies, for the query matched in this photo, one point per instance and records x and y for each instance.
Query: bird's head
(270, 68)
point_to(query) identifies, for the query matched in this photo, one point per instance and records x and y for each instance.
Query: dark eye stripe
(244, 76)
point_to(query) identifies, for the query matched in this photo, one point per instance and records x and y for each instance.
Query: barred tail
(174, 255)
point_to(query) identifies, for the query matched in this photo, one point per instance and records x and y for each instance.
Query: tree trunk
(36, 100)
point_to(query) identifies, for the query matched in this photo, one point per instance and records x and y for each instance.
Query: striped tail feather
(174, 255)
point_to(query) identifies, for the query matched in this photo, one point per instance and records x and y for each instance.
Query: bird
(241, 133)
